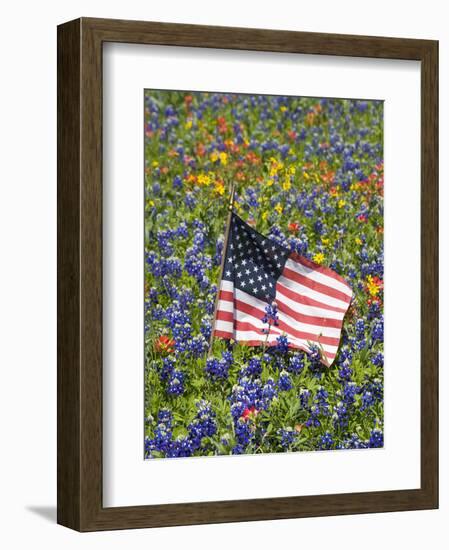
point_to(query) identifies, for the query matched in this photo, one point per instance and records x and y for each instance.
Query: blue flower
(285, 382)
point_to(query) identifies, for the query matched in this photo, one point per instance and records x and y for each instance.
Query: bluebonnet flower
(367, 400)
(243, 432)
(176, 383)
(282, 344)
(326, 441)
(376, 438)
(254, 367)
(304, 396)
(296, 364)
(217, 369)
(285, 382)
(288, 436)
(271, 314)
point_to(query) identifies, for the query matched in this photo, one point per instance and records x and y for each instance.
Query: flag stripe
(317, 297)
(287, 306)
(245, 331)
(299, 330)
(320, 268)
(255, 308)
(292, 273)
(304, 305)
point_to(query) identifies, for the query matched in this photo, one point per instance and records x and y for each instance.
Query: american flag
(311, 299)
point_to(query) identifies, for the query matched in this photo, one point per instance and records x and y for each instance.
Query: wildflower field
(308, 175)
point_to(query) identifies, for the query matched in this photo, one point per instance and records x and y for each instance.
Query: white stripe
(304, 309)
(227, 285)
(316, 330)
(225, 305)
(225, 326)
(313, 330)
(312, 294)
(318, 277)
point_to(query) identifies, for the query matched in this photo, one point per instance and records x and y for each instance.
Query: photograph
(263, 270)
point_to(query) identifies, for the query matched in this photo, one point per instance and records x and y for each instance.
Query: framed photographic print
(247, 274)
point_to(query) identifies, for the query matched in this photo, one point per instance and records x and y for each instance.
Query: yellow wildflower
(286, 185)
(358, 241)
(275, 166)
(279, 208)
(223, 158)
(283, 108)
(371, 285)
(292, 170)
(219, 188)
(188, 124)
(155, 164)
(214, 156)
(341, 203)
(325, 241)
(318, 258)
(306, 175)
(203, 179)
(264, 215)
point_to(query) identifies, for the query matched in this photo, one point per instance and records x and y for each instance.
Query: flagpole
(225, 246)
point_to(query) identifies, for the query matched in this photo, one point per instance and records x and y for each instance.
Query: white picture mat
(130, 480)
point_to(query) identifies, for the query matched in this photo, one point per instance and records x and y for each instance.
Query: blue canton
(253, 262)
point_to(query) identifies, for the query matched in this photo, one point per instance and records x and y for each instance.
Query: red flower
(249, 414)
(362, 218)
(164, 344)
(293, 227)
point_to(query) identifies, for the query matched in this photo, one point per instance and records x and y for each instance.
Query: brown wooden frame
(80, 274)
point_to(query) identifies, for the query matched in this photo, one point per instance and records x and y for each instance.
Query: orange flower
(293, 227)
(164, 344)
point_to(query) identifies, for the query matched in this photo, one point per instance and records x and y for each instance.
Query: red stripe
(314, 285)
(300, 317)
(224, 334)
(329, 340)
(225, 316)
(300, 298)
(226, 295)
(309, 319)
(316, 267)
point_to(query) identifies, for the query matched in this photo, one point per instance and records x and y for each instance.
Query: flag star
(255, 289)
(251, 281)
(266, 276)
(244, 262)
(264, 287)
(270, 283)
(275, 256)
(230, 259)
(228, 273)
(259, 278)
(242, 283)
(273, 248)
(256, 268)
(239, 245)
(239, 275)
(247, 271)
(232, 246)
(278, 264)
